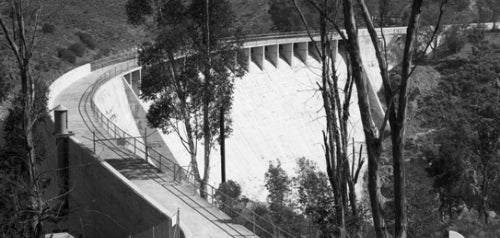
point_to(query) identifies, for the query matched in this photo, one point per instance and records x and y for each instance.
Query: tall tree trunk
(206, 103)
(398, 126)
(373, 144)
(222, 145)
(206, 145)
(28, 123)
(191, 144)
(331, 139)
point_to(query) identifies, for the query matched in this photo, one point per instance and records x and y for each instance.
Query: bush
(48, 28)
(67, 55)
(78, 49)
(227, 192)
(87, 39)
(454, 40)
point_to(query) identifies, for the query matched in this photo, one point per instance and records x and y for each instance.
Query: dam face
(277, 115)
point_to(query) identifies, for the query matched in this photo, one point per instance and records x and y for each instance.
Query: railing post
(159, 158)
(93, 139)
(194, 187)
(135, 148)
(253, 215)
(175, 170)
(212, 189)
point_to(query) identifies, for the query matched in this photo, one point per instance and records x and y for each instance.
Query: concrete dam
(123, 188)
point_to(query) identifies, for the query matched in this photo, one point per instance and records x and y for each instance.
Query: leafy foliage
(227, 193)
(466, 107)
(16, 193)
(67, 55)
(198, 88)
(48, 28)
(87, 39)
(137, 10)
(315, 196)
(78, 49)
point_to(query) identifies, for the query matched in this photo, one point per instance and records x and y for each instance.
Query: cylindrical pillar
(62, 142)
(61, 120)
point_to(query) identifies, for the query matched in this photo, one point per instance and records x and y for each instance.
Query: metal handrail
(161, 162)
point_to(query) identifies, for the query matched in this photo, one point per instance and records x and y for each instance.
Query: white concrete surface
(111, 99)
(65, 81)
(277, 114)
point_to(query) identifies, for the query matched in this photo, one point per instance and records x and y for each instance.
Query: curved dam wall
(102, 203)
(111, 99)
(277, 115)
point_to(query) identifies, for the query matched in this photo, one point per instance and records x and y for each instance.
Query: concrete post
(244, 58)
(272, 54)
(128, 78)
(140, 80)
(300, 51)
(286, 52)
(313, 52)
(136, 81)
(258, 56)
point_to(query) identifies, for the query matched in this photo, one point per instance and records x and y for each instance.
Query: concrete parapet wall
(103, 203)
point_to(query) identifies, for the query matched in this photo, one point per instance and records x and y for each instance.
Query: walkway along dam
(119, 187)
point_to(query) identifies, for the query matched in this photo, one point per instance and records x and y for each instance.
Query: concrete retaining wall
(103, 203)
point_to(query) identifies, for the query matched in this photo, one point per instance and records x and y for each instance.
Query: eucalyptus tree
(22, 181)
(189, 71)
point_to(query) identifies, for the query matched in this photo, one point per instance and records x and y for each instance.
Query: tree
(198, 31)
(277, 184)
(336, 136)
(227, 193)
(463, 166)
(24, 209)
(315, 197)
(283, 209)
(396, 98)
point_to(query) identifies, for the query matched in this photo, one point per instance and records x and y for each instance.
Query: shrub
(454, 40)
(78, 49)
(67, 55)
(87, 39)
(48, 28)
(227, 192)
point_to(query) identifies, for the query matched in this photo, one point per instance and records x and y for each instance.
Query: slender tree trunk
(191, 144)
(206, 144)
(398, 127)
(222, 145)
(206, 103)
(28, 123)
(373, 145)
